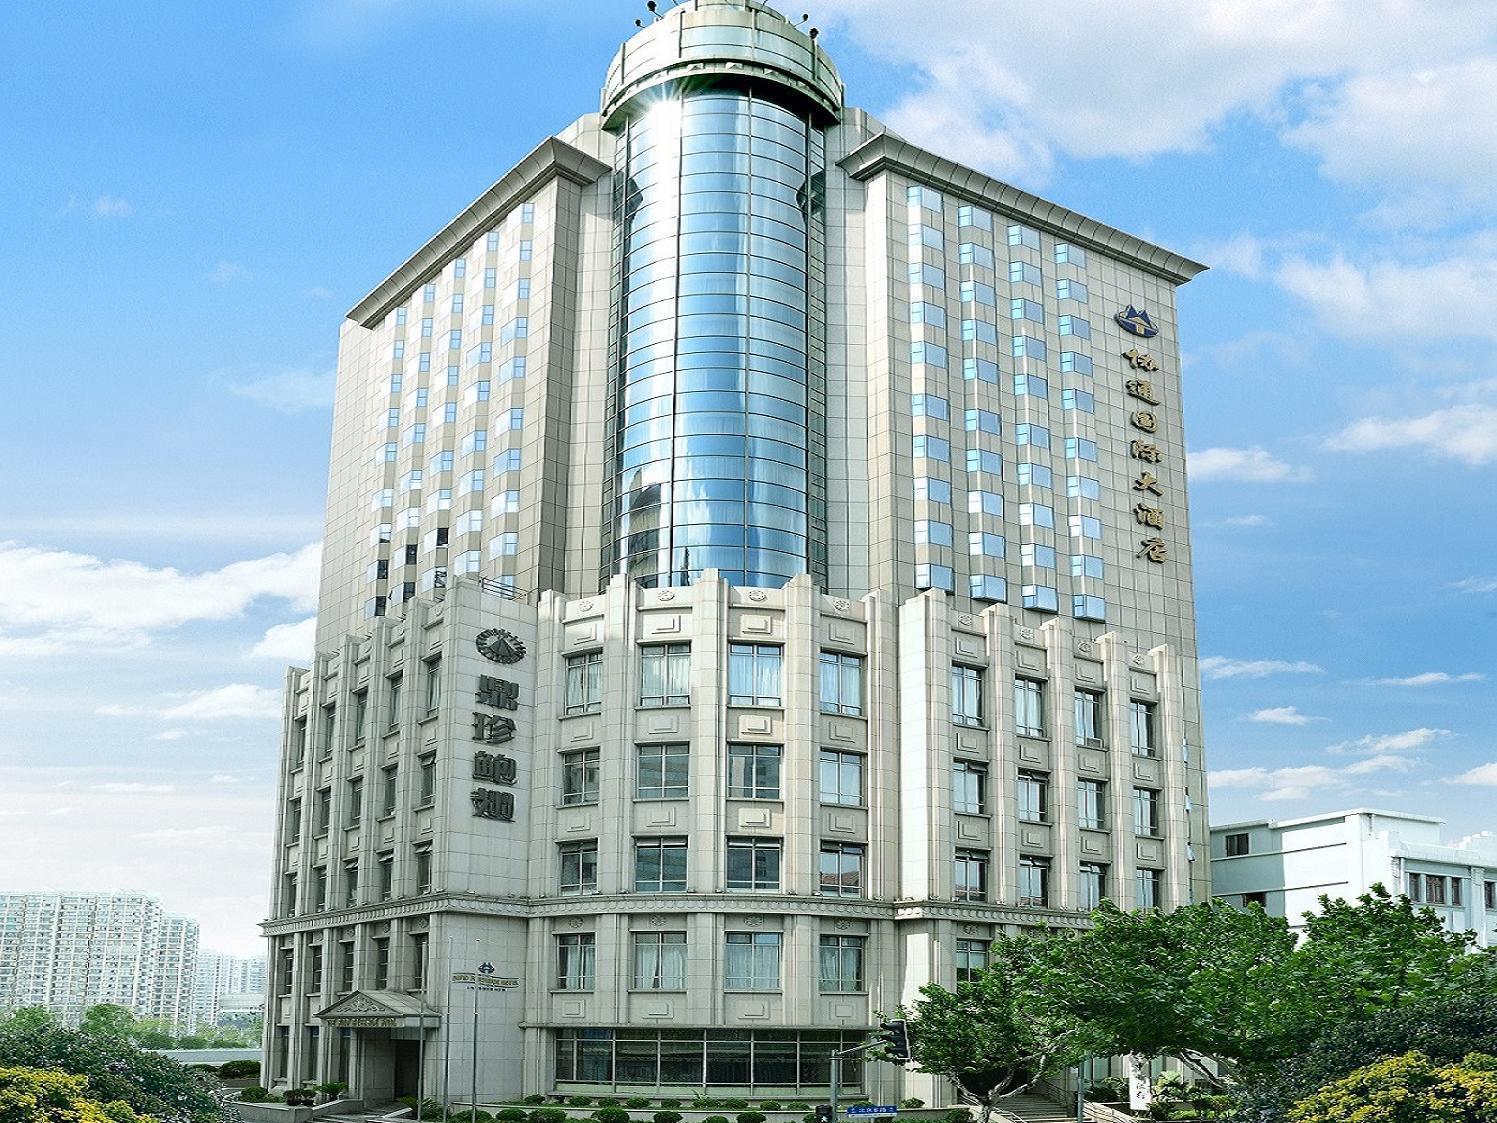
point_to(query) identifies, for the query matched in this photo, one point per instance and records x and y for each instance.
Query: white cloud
(1063, 77)
(1220, 667)
(1247, 521)
(240, 699)
(1476, 585)
(1301, 781)
(289, 643)
(1282, 715)
(111, 206)
(1245, 465)
(1378, 743)
(1452, 297)
(132, 788)
(1383, 762)
(54, 601)
(1239, 778)
(1483, 775)
(226, 273)
(1419, 126)
(1466, 433)
(317, 292)
(1428, 678)
(290, 391)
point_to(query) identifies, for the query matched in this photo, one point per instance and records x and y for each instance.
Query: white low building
(1287, 866)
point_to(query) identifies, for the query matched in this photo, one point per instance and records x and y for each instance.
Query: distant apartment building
(227, 989)
(1287, 866)
(70, 951)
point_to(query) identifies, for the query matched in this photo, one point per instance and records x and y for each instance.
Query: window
(841, 869)
(918, 195)
(1145, 812)
(1079, 448)
(1083, 487)
(1079, 400)
(345, 966)
(1065, 252)
(754, 674)
(1090, 718)
(386, 865)
(928, 576)
(985, 503)
(1457, 892)
(1259, 898)
(1091, 805)
(1141, 729)
(923, 312)
(1149, 888)
(579, 777)
(1074, 362)
(931, 448)
(981, 543)
(1023, 236)
(1037, 514)
(1067, 289)
(966, 694)
(929, 353)
(428, 780)
(1236, 844)
(932, 490)
(575, 957)
(1087, 565)
(754, 863)
(1029, 707)
(423, 870)
(314, 969)
(660, 865)
(751, 961)
(584, 687)
(322, 817)
(841, 778)
(982, 586)
(841, 683)
(970, 957)
(293, 821)
(754, 771)
(1025, 346)
(1093, 885)
(662, 772)
(1034, 797)
(980, 370)
(1021, 272)
(970, 880)
(983, 421)
(660, 961)
(1489, 894)
(1434, 889)
(1038, 475)
(969, 787)
(1037, 556)
(360, 716)
(419, 948)
(1021, 309)
(1032, 386)
(381, 963)
(286, 980)
(970, 253)
(351, 885)
(665, 675)
(355, 801)
(389, 791)
(393, 713)
(842, 964)
(579, 868)
(1085, 526)
(1076, 326)
(974, 216)
(1034, 881)
(1416, 887)
(984, 460)
(288, 894)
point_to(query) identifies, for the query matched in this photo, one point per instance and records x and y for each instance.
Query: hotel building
(757, 574)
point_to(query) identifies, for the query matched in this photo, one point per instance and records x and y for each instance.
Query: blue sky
(193, 194)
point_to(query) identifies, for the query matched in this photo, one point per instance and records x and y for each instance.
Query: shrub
(1409, 1087)
(769, 1105)
(301, 1097)
(735, 1104)
(958, 1115)
(333, 1088)
(637, 1101)
(548, 1115)
(605, 1101)
(716, 1119)
(670, 1103)
(254, 1094)
(667, 1117)
(611, 1115)
(798, 1105)
(913, 1101)
(238, 1070)
(579, 1101)
(704, 1103)
(511, 1115)
(536, 1099)
(750, 1117)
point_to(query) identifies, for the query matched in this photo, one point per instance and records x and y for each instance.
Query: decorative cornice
(551, 159)
(887, 153)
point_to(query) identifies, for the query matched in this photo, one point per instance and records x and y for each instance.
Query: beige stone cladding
(389, 879)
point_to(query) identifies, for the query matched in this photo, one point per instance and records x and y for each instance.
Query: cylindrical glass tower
(718, 414)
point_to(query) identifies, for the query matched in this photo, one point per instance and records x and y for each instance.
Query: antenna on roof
(815, 32)
(652, 6)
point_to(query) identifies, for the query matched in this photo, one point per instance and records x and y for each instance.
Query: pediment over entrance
(379, 1009)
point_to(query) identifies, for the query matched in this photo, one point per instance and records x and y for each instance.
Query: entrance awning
(379, 1009)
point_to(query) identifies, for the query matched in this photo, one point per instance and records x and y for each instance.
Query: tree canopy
(1407, 1089)
(34, 1095)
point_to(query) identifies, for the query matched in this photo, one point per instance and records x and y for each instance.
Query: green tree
(1407, 1089)
(34, 1095)
(107, 1020)
(1381, 952)
(1443, 1029)
(153, 1033)
(1206, 980)
(117, 1069)
(25, 1018)
(999, 1034)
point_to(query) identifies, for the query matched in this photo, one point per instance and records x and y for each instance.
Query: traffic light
(895, 1040)
(824, 1114)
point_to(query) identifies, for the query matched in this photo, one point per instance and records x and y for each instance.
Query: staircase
(1030, 1108)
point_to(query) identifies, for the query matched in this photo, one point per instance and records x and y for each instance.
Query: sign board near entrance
(873, 1109)
(484, 982)
(361, 1021)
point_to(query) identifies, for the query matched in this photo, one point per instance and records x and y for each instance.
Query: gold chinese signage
(1143, 419)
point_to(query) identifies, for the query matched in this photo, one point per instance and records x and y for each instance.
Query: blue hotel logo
(1137, 322)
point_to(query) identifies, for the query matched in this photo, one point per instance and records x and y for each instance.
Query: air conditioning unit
(1092, 742)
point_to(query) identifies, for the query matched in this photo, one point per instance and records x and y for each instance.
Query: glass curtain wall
(718, 434)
